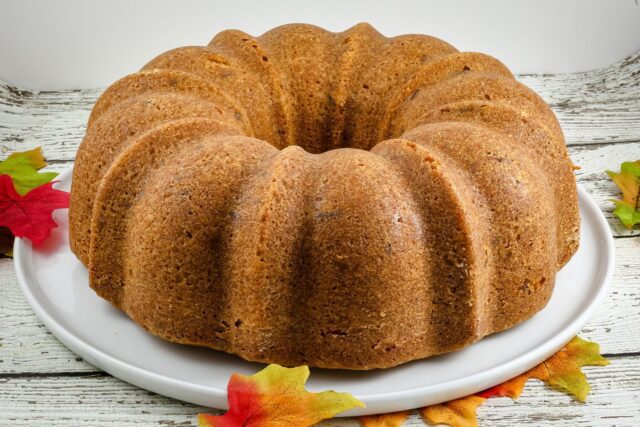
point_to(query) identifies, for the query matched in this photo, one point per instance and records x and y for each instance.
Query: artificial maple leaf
(276, 397)
(628, 180)
(456, 413)
(23, 167)
(393, 419)
(30, 215)
(511, 388)
(561, 371)
(462, 412)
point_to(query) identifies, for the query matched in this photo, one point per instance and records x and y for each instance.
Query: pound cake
(340, 200)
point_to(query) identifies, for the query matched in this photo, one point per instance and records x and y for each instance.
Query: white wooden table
(43, 383)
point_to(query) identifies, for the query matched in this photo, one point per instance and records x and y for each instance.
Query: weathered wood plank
(52, 119)
(100, 400)
(593, 107)
(594, 160)
(596, 106)
(27, 346)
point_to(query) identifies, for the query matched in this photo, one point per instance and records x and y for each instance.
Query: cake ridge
(513, 122)
(173, 135)
(452, 265)
(481, 85)
(306, 57)
(103, 104)
(416, 83)
(252, 94)
(389, 65)
(348, 244)
(119, 126)
(340, 98)
(267, 221)
(278, 90)
(509, 173)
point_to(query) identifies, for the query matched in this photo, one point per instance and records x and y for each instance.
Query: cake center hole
(335, 127)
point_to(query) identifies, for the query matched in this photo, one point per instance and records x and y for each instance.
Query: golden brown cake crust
(341, 200)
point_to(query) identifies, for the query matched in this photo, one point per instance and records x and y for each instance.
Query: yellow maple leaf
(22, 168)
(392, 419)
(562, 371)
(628, 180)
(276, 397)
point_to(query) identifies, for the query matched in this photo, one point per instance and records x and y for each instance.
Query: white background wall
(90, 43)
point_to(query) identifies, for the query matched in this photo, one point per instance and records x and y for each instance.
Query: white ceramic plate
(56, 285)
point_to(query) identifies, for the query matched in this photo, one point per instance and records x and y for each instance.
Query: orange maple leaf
(628, 180)
(511, 388)
(393, 419)
(561, 371)
(276, 397)
(456, 413)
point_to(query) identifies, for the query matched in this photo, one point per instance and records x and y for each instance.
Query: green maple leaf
(23, 169)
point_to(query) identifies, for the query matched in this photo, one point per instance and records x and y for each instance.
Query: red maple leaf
(30, 215)
(276, 397)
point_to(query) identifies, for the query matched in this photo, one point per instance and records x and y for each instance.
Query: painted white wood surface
(43, 383)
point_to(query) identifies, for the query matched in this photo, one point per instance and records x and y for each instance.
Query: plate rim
(187, 391)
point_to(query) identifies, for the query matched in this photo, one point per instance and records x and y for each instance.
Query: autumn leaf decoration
(562, 371)
(27, 199)
(456, 413)
(393, 419)
(628, 180)
(276, 397)
(23, 169)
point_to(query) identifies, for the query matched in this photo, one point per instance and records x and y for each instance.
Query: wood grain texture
(597, 106)
(43, 383)
(593, 160)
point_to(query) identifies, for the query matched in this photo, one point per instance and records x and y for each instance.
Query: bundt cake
(341, 200)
